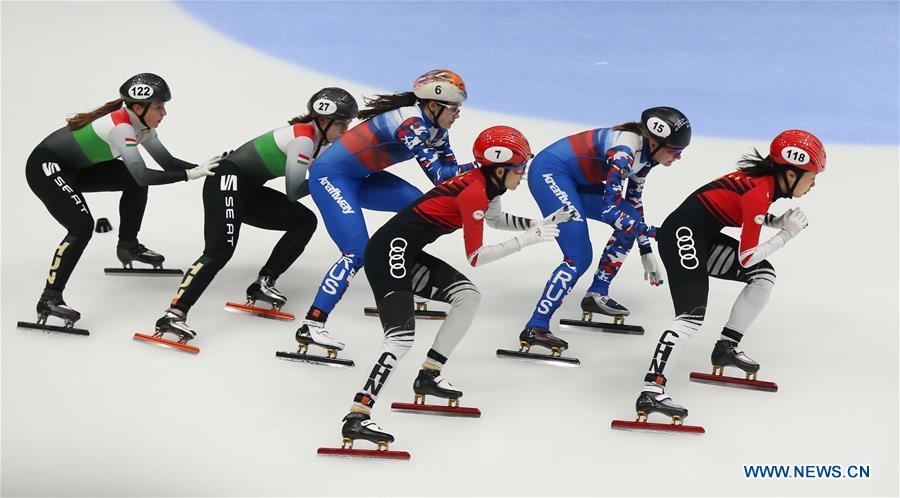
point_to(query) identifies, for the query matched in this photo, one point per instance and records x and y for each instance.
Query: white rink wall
(105, 415)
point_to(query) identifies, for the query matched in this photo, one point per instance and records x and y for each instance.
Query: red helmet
(798, 148)
(501, 145)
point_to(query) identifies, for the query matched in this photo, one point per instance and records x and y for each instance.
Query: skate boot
(533, 336)
(597, 303)
(51, 303)
(358, 426)
(312, 332)
(128, 252)
(725, 354)
(263, 289)
(173, 322)
(430, 383)
(654, 399)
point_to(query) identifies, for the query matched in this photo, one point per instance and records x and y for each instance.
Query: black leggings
(61, 191)
(231, 198)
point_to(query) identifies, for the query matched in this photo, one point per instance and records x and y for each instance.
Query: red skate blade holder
(261, 312)
(158, 340)
(350, 452)
(452, 409)
(631, 425)
(724, 380)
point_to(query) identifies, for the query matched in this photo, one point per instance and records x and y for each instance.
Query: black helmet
(333, 103)
(668, 126)
(145, 87)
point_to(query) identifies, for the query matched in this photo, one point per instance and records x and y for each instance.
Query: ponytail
(633, 127)
(385, 103)
(82, 119)
(755, 165)
(306, 118)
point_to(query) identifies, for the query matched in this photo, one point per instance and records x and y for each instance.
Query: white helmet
(440, 84)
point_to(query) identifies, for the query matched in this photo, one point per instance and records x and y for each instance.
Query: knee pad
(466, 296)
(396, 312)
(81, 232)
(762, 275)
(687, 324)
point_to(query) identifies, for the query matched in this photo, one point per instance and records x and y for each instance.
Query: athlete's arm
(438, 164)
(299, 158)
(499, 220)
(162, 156)
(123, 142)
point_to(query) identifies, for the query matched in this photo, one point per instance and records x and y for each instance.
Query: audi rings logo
(684, 237)
(396, 259)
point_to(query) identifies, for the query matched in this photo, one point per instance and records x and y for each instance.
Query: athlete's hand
(205, 169)
(773, 221)
(538, 233)
(651, 269)
(793, 223)
(561, 215)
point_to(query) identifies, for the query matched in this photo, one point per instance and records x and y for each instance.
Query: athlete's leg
(272, 210)
(224, 200)
(54, 187)
(552, 190)
(724, 263)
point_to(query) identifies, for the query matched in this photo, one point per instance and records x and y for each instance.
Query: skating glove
(205, 169)
(561, 215)
(651, 269)
(794, 221)
(773, 221)
(536, 234)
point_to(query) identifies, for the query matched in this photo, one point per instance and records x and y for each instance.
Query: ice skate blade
(420, 314)
(631, 425)
(260, 312)
(147, 272)
(315, 359)
(457, 411)
(724, 380)
(547, 359)
(159, 341)
(349, 452)
(613, 328)
(52, 328)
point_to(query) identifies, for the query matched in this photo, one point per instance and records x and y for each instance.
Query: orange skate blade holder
(641, 424)
(261, 312)
(158, 340)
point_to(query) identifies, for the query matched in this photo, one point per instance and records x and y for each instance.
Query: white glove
(561, 215)
(538, 233)
(205, 169)
(773, 221)
(793, 222)
(651, 269)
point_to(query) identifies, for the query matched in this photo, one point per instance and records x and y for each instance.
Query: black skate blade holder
(554, 358)
(617, 327)
(62, 329)
(421, 312)
(151, 272)
(301, 356)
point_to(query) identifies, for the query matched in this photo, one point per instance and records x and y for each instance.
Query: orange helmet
(440, 84)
